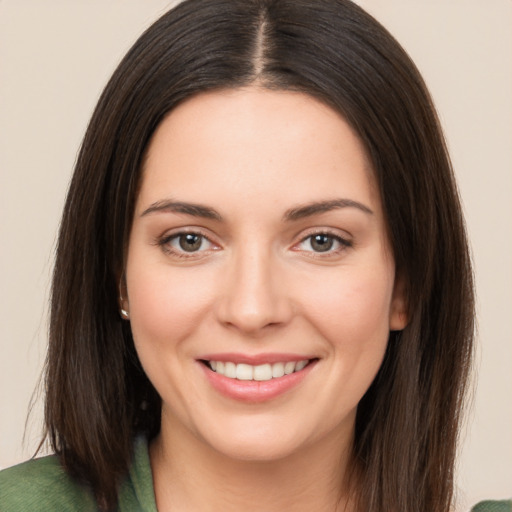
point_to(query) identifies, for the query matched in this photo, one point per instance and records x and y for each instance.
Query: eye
(189, 242)
(324, 243)
(321, 242)
(186, 244)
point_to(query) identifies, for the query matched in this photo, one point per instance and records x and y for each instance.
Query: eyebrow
(293, 214)
(196, 210)
(315, 208)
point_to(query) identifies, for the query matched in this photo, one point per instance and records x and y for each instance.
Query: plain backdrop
(55, 58)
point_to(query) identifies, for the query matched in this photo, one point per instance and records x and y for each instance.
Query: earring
(124, 314)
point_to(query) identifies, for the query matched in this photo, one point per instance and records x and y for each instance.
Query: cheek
(352, 310)
(165, 304)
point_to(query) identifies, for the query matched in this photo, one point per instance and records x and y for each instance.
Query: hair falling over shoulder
(98, 397)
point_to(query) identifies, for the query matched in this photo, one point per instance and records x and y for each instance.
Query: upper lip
(256, 359)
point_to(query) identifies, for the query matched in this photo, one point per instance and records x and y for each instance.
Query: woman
(262, 292)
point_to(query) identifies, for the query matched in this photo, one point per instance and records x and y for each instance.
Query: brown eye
(187, 244)
(321, 242)
(190, 242)
(324, 243)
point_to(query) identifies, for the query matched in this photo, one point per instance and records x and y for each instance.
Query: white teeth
(230, 370)
(300, 365)
(243, 372)
(278, 370)
(289, 368)
(261, 372)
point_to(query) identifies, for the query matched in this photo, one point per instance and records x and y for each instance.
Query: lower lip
(255, 391)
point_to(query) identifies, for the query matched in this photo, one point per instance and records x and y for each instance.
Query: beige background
(55, 57)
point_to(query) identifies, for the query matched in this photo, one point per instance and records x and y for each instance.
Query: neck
(190, 475)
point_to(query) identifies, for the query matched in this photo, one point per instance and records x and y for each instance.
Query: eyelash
(344, 244)
(164, 243)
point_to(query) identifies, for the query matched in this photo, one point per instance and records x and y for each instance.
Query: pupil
(190, 242)
(322, 243)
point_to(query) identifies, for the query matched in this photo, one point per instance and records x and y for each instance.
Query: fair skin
(258, 240)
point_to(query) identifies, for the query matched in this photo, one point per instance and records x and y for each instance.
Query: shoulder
(493, 506)
(42, 485)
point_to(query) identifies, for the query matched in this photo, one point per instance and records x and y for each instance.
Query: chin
(256, 452)
(265, 442)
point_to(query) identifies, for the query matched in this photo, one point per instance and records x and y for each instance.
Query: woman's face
(259, 282)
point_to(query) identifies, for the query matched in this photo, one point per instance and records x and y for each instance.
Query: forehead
(256, 143)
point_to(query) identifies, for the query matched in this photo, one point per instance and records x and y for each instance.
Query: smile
(262, 372)
(256, 379)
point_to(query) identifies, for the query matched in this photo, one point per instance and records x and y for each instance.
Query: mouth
(260, 373)
(256, 379)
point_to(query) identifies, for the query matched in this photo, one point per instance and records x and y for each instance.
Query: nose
(254, 296)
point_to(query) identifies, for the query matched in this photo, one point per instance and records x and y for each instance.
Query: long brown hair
(98, 397)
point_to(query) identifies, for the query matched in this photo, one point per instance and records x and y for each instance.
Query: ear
(398, 314)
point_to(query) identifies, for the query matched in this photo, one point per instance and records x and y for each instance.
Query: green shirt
(493, 506)
(42, 485)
